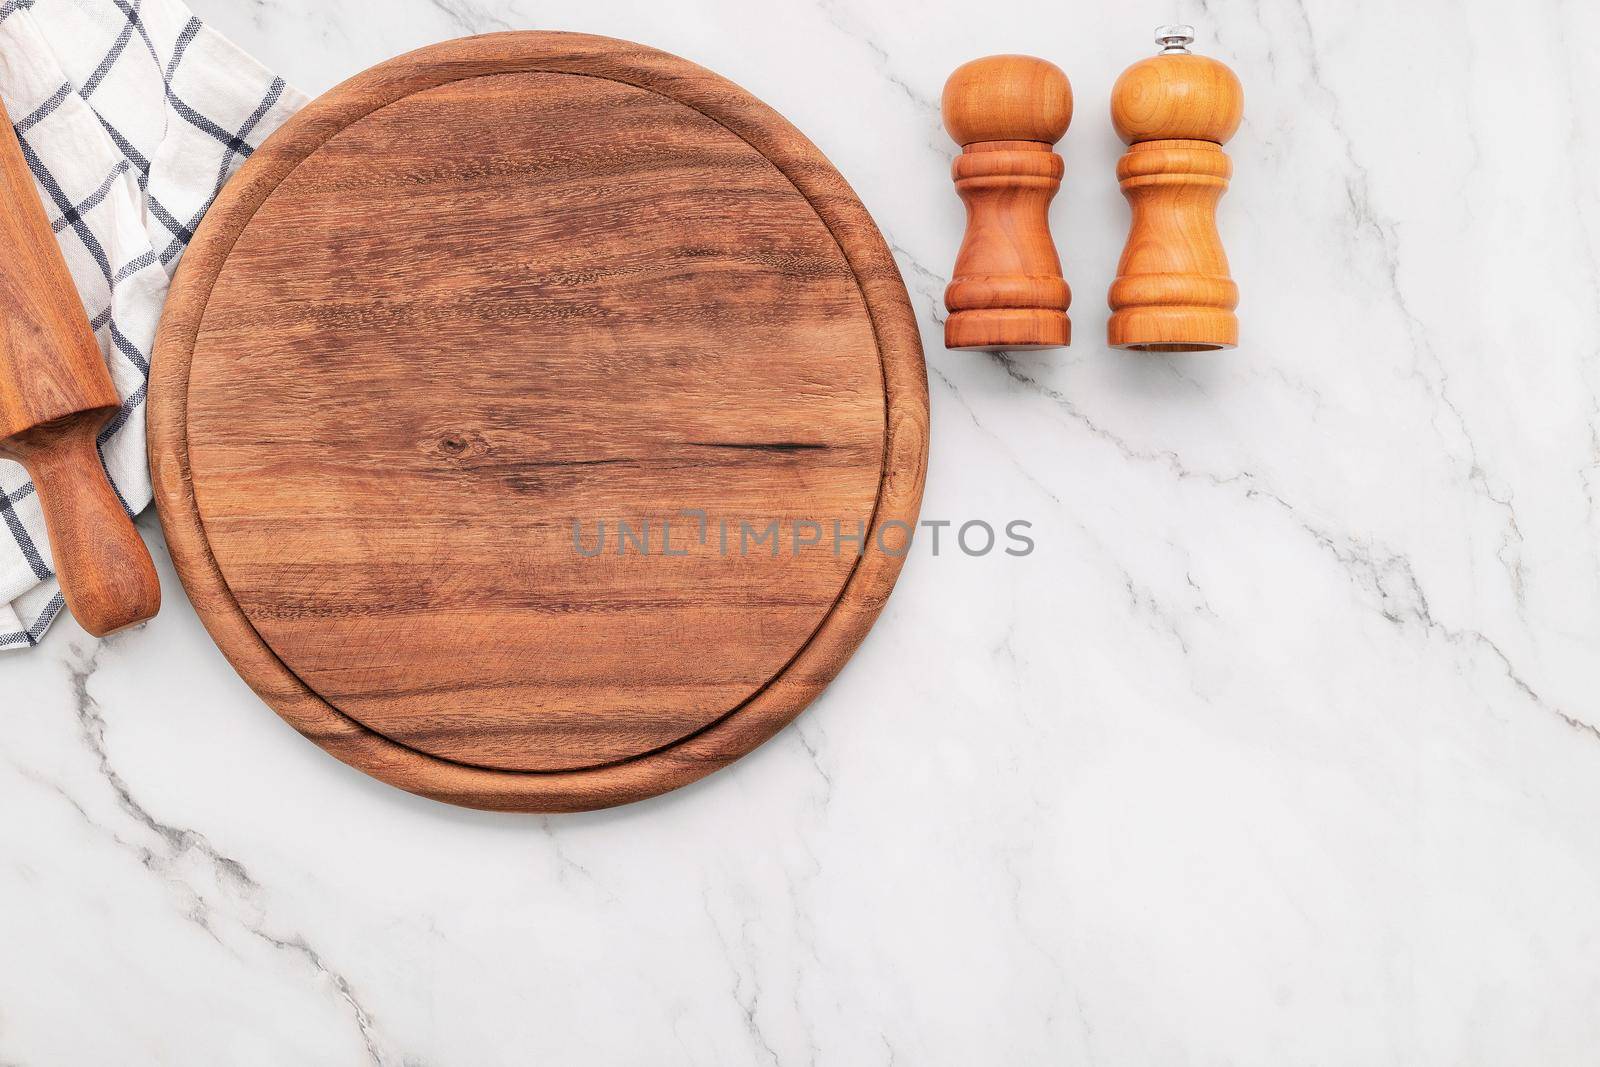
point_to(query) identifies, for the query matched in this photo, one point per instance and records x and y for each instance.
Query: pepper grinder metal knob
(1175, 110)
(1007, 292)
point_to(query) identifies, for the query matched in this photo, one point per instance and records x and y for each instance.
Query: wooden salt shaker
(1007, 292)
(1174, 110)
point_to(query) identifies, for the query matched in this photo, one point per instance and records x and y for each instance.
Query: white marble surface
(1283, 748)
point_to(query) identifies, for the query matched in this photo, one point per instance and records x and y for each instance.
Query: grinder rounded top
(1177, 96)
(1007, 98)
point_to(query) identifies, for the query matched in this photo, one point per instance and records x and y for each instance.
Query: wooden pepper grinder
(1174, 111)
(1006, 113)
(55, 394)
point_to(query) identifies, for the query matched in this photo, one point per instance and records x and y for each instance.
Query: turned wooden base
(1001, 329)
(1173, 329)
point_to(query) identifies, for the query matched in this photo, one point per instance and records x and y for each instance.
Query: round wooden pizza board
(474, 307)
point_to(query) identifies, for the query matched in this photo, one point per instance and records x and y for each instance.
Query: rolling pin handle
(106, 574)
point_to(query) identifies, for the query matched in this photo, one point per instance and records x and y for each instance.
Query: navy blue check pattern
(131, 115)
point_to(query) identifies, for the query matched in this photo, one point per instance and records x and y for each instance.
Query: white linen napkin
(132, 115)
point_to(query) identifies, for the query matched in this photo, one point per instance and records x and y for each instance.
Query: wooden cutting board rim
(769, 708)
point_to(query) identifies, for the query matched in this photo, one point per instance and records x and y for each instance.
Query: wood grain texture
(1006, 98)
(1177, 97)
(1006, 290)
(55, 395)
(1173, 291)
(488, 289)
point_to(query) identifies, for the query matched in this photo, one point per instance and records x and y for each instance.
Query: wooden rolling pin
(55, 395)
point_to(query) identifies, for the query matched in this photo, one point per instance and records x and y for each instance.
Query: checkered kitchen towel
(132, 115)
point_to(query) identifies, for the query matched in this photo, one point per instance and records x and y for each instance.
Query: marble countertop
(1282, 748)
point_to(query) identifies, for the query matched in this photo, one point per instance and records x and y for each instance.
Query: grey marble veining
(1283, 748)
